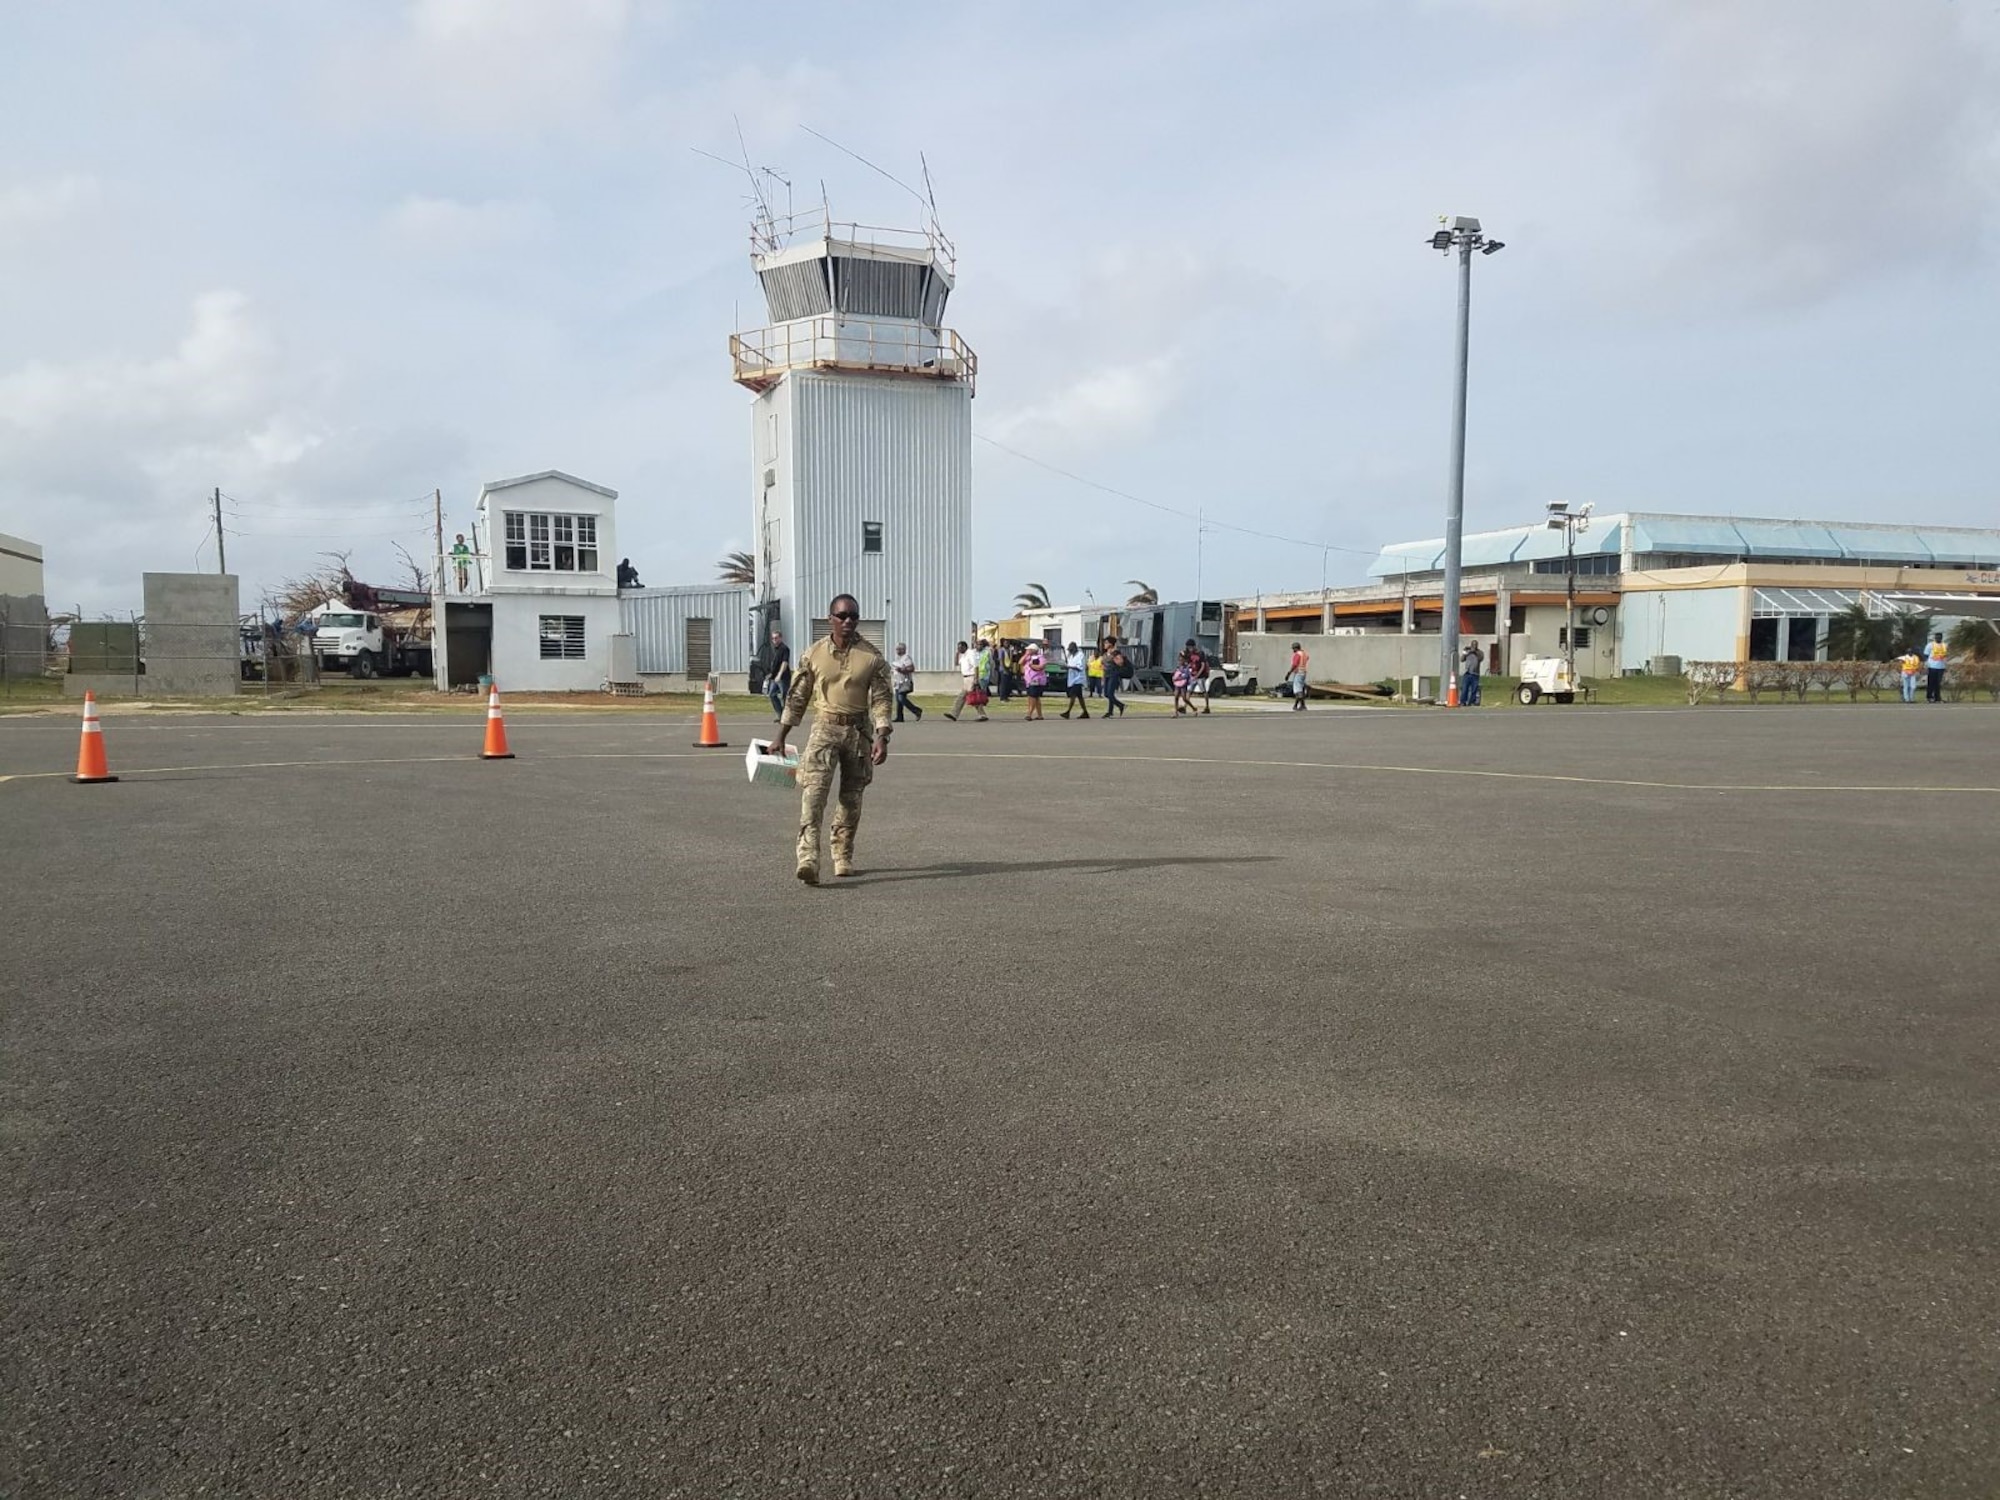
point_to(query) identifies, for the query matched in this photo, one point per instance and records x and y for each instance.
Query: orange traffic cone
(711, 732)
(1451, 694)
(496, 729)
(90, 764)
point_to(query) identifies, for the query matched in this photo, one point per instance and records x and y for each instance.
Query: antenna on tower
(865, 162)
(930, 193)
(765, 226)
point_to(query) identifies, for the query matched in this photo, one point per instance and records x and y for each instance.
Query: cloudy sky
(333, 254)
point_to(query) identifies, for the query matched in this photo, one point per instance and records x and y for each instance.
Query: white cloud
(492, 66)
(108, 460)
(435, 225)
(32, 206)
(219, 367)
(1109, 404)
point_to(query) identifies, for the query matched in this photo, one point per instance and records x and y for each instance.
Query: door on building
(1763, 640)
(468, 643)
(1802, 638)
(700, 648)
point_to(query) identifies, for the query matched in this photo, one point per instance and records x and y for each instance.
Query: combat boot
(843, 853)
(808, 870)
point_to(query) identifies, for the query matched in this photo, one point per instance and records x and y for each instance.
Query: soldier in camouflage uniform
(845, 682)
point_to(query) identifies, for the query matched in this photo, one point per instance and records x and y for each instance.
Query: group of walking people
(999, 669)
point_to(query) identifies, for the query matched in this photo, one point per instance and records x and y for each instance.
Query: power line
(1199, 520)
(320, 536)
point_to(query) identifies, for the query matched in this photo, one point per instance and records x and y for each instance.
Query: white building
(20, 568)
(539, 608)
(1652, 589)
(861, 434)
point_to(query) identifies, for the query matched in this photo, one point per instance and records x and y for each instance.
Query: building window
(562, 637)
(543, 543)
(1582, 636)
(1589, 563)
(871, 536)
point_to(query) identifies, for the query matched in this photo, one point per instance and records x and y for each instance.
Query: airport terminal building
(1653, 587)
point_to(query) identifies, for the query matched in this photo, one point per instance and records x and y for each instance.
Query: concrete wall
(193, 644)
(1341, 658)
(1543, 637)
(24, 635)
(1371, 658)
(518, 663)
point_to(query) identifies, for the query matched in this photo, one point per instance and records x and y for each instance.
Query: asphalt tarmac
(1549, 1103)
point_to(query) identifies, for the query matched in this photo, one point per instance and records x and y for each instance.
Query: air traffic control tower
(861, 434)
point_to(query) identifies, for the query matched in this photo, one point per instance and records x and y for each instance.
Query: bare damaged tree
(415, 578)
(296, 598)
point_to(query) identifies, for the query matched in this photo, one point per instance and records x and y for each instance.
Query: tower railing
(775, 233)
(761, 356)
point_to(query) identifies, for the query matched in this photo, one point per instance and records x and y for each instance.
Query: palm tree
(1146, 594)
(737, 567)
(1034, 596)
(1856, 635)
(1908, 633)
(1978, 639)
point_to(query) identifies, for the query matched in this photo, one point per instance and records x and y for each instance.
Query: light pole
(1569, 523)
(1463, 235)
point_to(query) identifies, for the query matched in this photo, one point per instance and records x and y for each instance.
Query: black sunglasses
(846, 614)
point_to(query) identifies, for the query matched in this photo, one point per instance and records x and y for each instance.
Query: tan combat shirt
(851, 683)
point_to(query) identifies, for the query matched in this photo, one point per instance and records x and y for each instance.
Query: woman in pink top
(1035, 673)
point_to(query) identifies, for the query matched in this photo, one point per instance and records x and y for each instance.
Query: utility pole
(437, 532)
(1454, 515)
(1569, 600)
(1464, 236)
(221, 557)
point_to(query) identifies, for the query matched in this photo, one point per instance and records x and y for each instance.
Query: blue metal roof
(1722, 537)
(1686, 534)
(1899, 544)
(1961, 547)
(1494, 549)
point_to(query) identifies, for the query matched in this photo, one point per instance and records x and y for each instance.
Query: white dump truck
(371, 643)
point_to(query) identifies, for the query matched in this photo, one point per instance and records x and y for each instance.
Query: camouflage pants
(832, 748)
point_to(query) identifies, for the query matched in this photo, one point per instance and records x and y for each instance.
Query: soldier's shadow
(960, 869)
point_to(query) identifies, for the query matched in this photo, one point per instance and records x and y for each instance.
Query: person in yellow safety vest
(1936, 654)
(1093, 672)
(1910, 665)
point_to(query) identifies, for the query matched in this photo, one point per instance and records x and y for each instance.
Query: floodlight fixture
(1557, 507)
(1441, 240)
(1492, 245)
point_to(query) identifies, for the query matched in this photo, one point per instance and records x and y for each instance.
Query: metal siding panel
(797, 290)
(881, 288)
(898, 452)
(657, 619)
